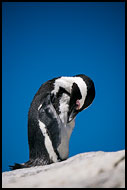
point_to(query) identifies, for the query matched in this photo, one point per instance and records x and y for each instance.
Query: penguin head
(82, 95)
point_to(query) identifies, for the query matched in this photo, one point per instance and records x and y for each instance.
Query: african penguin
(51, 118)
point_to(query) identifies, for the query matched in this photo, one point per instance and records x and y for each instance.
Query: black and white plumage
(51, 118)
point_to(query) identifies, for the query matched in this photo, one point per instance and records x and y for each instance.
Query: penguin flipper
(48, 115)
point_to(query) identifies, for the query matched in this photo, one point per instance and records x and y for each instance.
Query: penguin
(51, 118)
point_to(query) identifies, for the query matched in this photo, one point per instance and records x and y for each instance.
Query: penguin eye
(77, 104)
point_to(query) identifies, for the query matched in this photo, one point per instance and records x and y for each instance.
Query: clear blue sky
(41, 41)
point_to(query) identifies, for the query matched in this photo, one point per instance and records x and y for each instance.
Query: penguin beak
(72, 113)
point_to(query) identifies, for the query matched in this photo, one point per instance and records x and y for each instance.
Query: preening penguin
(51, 118)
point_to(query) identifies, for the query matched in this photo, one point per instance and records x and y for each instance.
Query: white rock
(88, 170)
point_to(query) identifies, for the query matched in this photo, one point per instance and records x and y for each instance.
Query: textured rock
(90, 170)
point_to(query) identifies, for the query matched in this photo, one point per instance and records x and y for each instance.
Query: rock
(85, 170)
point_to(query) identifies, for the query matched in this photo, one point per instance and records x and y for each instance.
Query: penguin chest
(65, 135)
(66, 128)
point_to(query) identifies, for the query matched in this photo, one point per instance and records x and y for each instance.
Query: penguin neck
(64, 108)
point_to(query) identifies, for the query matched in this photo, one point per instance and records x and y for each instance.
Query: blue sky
(41, 41)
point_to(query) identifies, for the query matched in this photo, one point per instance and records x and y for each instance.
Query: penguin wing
(49, 117)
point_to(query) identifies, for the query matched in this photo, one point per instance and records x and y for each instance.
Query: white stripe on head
(48, 143)
(67, 82)
(64, 82)
(83, 89)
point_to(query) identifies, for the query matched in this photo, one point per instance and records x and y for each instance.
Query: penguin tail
(17, 166)
(30, 163)
(21, 166)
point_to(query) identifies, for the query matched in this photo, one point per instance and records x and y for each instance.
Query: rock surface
(88, 170)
